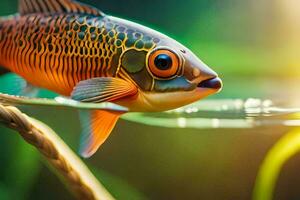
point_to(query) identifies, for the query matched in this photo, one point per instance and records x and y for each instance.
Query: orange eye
(163, 63)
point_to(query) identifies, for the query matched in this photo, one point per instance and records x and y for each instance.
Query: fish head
(167, 73)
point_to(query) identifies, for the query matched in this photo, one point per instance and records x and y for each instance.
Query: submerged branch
(75, 173)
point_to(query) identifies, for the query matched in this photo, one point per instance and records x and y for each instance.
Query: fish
(78, 51)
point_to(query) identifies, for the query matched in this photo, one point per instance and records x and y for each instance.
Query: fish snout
(200, 74)
(212, 83)
(204, 77)
(196, 70)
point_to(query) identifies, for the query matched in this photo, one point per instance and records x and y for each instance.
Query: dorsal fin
(56, 6)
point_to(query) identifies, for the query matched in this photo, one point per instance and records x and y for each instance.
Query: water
(231, 113)
(227, 113)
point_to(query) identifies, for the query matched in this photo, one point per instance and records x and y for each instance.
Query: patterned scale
(59, 51)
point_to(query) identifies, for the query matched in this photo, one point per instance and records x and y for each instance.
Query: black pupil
(163, 62)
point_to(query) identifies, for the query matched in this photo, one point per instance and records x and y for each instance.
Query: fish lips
(211, 83)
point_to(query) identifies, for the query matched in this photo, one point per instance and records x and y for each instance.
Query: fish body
(77, 51)
(58, 51)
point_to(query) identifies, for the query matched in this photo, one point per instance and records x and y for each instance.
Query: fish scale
(61, 50)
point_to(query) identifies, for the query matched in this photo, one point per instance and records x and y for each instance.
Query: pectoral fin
(100, 90)
(97, 126)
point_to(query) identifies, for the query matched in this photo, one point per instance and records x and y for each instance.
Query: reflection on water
(223, 114)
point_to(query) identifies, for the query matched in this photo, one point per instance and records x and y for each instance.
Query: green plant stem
(269, 171)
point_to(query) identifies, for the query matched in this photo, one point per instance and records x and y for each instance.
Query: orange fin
(105, 89)
(56, 6)
(97, 126)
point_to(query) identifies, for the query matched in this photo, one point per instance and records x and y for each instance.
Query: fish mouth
(211, 83)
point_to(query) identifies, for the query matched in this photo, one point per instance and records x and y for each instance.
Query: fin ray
(97, 126)
(103, 89)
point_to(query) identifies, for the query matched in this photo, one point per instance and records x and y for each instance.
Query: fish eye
(163, 63)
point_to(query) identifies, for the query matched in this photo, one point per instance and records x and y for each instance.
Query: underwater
(137, 100)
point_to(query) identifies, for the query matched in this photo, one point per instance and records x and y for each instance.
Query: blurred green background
(253, 45)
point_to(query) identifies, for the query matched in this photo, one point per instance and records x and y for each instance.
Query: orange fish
(77, 51)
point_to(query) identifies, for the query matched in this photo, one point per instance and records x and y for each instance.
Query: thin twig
(75, 173)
